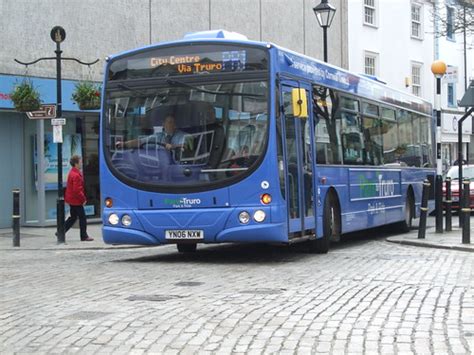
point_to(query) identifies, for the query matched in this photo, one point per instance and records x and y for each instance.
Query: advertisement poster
(71, 146)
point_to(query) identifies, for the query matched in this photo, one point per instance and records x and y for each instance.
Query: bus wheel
(186, 248)
(331, 226)
(407, 223)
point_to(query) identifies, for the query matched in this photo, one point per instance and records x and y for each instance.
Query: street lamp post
(438, 68)
(325, 14)
(58, 35)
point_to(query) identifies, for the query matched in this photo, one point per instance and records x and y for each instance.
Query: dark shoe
(88, 239)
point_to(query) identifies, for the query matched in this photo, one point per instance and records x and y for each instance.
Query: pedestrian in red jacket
(76, 198)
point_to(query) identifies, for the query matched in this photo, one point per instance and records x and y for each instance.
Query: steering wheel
(144, 144)
(124, 166)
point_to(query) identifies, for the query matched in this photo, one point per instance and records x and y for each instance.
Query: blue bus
(215, 138)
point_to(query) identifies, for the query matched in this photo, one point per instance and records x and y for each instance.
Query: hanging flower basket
(87, 96)
(25, 97)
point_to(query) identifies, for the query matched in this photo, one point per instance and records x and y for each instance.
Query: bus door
(298, 148)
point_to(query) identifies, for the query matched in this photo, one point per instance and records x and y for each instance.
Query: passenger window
(390, 141)
(370, 109)
(352, 140)
(417, 154)
(426, 145)
(327, 120)
(388, 114)
(372, 141)
(405, 149)
(350, 104)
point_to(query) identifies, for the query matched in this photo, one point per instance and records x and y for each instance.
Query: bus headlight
(244, 217)
(126, 220)
(113, 219)
(259, 216)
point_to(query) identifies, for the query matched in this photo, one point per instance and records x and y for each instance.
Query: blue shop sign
(46, 87)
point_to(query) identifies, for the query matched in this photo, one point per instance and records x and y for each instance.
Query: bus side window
(352, 139)
(426, 145)
(372, 141)
(406, 147)
(327, 120)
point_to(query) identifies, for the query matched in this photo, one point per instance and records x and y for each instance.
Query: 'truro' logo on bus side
(385, 187)
(182, 202)
(381, 188)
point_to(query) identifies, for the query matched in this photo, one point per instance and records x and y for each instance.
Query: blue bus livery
(215, 138)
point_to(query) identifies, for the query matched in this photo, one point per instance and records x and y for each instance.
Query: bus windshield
(178, 132)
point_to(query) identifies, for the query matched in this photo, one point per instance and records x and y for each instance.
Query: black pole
(325, 43)
(465, 53)
(460, 177)
(448, 204)
(59, 112)
(424, 209)
(466, 211)
(16, 217)
(439, 178)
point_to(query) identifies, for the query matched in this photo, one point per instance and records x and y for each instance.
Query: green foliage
(87, 95)
(25, 97)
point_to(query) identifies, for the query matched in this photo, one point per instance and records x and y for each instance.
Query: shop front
(29, 155)
(449, 137)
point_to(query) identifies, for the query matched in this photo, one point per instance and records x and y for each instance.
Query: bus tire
(331, 225)
(406, 224)
(186, 248)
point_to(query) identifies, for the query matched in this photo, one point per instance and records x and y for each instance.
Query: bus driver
(171, 137)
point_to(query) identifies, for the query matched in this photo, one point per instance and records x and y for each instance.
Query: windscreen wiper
(163, 97)
(175, 82)
(126, 87)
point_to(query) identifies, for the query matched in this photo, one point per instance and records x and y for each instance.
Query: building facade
(397, 41)
(95, 30)
(449, 47)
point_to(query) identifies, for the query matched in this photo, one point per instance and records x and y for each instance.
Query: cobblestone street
(365, 296)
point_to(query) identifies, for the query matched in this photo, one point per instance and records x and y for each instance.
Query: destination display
(189, 60)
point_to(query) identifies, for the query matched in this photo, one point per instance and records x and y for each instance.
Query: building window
(369, 12)
(451, 95)
(416, 28)
(416, 79)
(450, 22)
(370, 64)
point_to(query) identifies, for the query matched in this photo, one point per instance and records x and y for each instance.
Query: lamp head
(324, 13)
(438, 68)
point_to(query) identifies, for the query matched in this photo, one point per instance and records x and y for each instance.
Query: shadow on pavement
(260, 253)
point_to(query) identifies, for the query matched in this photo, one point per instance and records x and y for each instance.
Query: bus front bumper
(262, 233)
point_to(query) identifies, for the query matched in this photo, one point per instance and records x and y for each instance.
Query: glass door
(299, 182)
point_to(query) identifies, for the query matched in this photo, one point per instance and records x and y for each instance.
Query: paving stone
(365, 296)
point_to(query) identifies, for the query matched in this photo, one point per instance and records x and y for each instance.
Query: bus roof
(306, 68)
(337, 78)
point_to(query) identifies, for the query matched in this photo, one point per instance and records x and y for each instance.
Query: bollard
(424, 209)
(16, 217)
(448, 202)
(466, 211)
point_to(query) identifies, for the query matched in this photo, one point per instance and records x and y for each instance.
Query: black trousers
(77, 212)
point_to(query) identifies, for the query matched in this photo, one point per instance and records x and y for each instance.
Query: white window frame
(451, 37)
(372, 8)
(416, 22)
(454, 103)
(416, 85)
(375, 57)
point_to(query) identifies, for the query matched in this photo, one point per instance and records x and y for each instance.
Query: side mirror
(299, 103)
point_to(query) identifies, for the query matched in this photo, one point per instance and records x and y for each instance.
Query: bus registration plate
(184, 234)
